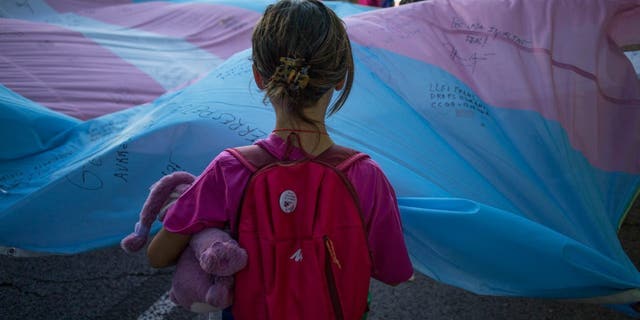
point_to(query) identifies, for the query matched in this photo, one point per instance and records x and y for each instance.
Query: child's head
(301, 51)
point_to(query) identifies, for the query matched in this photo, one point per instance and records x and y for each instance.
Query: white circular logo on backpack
(288, 201)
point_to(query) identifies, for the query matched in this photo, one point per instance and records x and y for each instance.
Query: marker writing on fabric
(479, 40)
(122, 163)
(509, 36)
(102, 130)
(25, 3)
(229, 120)
(171, 167)
(459, 23)
(439, 87)
(43, 167)
(445, 96)
(472, 61)
(12, 179)
(87, 179)
(235, 71)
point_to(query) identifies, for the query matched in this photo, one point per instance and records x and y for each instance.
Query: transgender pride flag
(510, 129)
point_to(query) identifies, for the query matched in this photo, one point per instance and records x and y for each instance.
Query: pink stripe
(553, 57)
(64, 6)
(221, 30)
(67, 72)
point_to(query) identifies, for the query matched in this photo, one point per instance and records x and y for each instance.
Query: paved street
(109, 284)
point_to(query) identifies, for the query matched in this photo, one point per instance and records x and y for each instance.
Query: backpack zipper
(331, 282)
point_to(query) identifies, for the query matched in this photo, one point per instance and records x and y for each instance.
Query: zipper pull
(332, 251)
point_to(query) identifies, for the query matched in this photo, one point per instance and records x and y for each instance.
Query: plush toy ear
(160, 192)
(177, 192)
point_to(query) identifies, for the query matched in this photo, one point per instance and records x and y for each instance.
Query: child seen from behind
(317, 220)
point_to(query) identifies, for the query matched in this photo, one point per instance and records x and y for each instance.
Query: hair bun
(293, 73)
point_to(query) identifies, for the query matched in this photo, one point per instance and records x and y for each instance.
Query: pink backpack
(301, 224)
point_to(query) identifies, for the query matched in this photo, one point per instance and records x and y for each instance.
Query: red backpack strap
(340, 157)
(253, 157)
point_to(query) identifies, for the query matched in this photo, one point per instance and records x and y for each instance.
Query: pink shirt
(214, 200)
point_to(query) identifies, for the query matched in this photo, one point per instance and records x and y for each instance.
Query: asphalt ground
(109, 284)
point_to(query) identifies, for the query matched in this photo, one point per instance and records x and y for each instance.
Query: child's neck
(313, 133)
(313, 140)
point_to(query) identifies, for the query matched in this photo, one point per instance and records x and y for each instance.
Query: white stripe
(159, 309)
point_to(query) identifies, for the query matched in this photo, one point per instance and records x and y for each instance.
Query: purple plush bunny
(203, 280)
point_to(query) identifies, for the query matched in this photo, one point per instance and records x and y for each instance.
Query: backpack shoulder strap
(340, 157)
(253, 157)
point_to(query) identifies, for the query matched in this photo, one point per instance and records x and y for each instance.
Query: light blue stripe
(32, 10)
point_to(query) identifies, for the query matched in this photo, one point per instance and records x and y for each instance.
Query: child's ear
(340, 85)
(257, 77)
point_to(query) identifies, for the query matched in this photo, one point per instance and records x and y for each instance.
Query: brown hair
(301, 50)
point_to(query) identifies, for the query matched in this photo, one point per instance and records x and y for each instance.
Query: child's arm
(166, 247)
(390, 259)
(206, 204)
